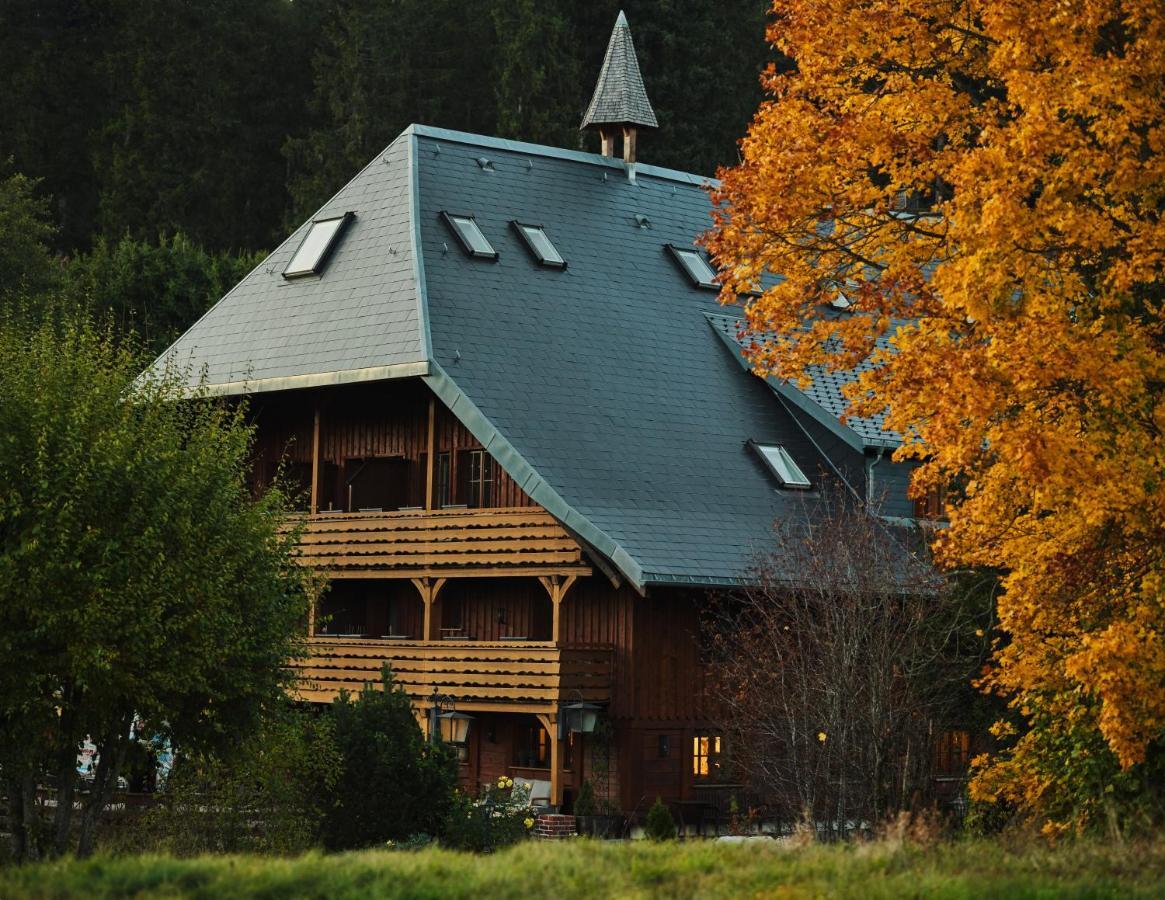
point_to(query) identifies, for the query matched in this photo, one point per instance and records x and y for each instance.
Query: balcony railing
(439, 543)
(521, 675)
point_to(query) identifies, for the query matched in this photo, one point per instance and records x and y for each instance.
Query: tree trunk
(23, 818)
(66, 775)
(63, 818)
(110, 760)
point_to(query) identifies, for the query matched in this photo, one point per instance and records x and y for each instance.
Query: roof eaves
(317, 379)
(516, 466)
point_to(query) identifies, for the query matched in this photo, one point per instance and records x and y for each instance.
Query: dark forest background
(150, 149)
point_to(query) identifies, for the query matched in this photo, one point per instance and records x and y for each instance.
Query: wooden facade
(440, 566)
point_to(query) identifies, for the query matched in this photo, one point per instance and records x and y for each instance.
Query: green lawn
(593, 869)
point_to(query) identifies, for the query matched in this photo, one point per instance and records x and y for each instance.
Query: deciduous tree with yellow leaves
(985, 180)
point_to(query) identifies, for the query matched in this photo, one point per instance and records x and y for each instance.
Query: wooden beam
(606, 142)
(432, 448)
(315, 461)
(630, 139)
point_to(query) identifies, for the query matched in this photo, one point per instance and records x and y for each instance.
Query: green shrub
(584, 804)
(660, 826)
(499, 816)
(392, 783)
(269, 795)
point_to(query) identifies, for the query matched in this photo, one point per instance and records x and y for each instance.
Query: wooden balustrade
(525, 676)
(439, 543)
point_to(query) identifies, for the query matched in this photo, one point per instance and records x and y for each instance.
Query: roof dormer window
(778, 461)
(540, 245)
(317, 247)
(469, 235)
(695, 266)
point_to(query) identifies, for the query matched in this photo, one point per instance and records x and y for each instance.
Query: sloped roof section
(359, 320)
(600, 387)
(824, 398)
(620, 97)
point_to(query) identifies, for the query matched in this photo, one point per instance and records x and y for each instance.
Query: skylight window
(695, 266)
(540, 245)
(317, 247)
(469, 235)
(781, 464)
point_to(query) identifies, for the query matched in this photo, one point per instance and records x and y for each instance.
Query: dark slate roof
(620, 98)
(824, 398)
(599, 387)
(603, 377)
(360, 320)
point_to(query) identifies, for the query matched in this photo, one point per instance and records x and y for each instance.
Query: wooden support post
(315, 462)
(429, 588)
(630, 138)
(550, 723)
(606, 142)
(557, 587)
(432, 453)
(311, 613)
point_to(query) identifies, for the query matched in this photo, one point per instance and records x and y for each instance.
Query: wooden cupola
(620, 100)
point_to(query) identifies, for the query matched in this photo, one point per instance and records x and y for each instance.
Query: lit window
(952, 754)
(313, 253)
(469, 235)
(540, 245)
(781, 464)
(706, 756)
(695, 266)
(933, 505)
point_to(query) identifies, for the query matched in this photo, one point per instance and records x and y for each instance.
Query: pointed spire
(620, 98)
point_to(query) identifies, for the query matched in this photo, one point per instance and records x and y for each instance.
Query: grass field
(591, 869)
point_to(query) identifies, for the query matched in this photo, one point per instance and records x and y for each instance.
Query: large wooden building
(527, 440)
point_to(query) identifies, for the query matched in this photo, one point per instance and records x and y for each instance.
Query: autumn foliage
(985, 180)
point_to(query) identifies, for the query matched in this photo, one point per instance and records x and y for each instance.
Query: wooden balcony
(519, 676)
(440, 543)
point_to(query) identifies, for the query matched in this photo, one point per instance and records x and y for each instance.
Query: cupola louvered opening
(317, 247)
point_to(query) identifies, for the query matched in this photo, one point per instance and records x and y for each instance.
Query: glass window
(696, 267)
(313, 253)
(540, 245)
(475, 475)
(781, 464)
(706, 756)
(469, 235)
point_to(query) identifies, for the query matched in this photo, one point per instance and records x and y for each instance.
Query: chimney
(620, 101)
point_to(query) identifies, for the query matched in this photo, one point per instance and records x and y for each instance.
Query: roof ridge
(563, 153)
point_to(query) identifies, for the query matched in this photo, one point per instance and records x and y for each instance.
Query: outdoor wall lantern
(579, 716)
(448, 725)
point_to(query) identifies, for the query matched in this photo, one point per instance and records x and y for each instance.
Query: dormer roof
(620, 97)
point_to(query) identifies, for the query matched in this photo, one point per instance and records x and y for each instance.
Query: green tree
(537, 73)
(202, 98)
(393, 784)
(51, 101)
(383, 65)
(26, 264)
(156, 290)
(139, 577)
